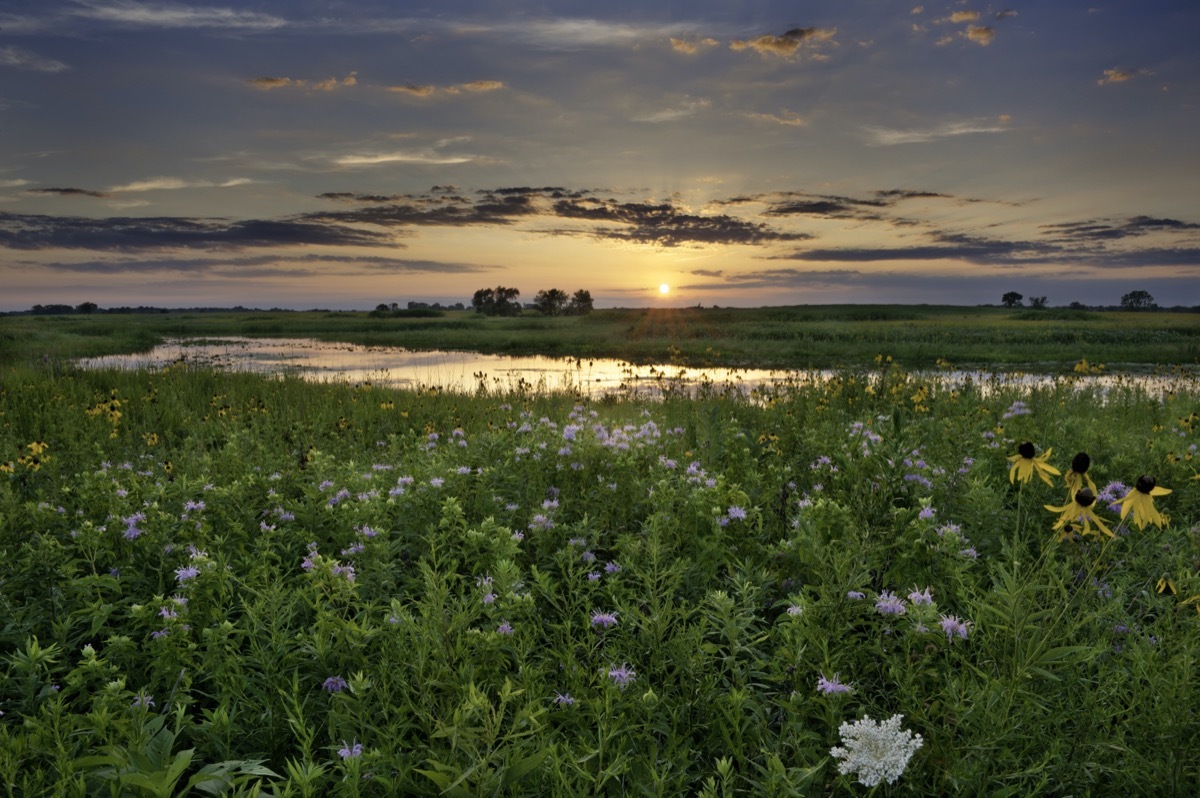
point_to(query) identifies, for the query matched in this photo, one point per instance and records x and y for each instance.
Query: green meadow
(837, 336)
(230, 584)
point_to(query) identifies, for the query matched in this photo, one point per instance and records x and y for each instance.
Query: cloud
(402, 156)
(1006, 13)
(413, 89)
(685, 109)
(176, 183)
(329, 84)
(254, 266)
(129, 234)
(13, 183)
(268, 83)
(964, 16)
(665, 225)
(789, 44)
(69, 192)
(981, 34)
(886, 137)
(126, 12)
(782, 118)
(692, 46)
(1111, 230)
(1121, 75)
(477, 86)
(23, 59)
(779, 278)
(427, 90)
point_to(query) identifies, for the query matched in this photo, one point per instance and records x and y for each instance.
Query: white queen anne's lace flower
(875, 751)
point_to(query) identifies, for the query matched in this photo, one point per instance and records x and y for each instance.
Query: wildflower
(504, 628)
(623, 676)
(795, 610)
(832, 686)
(334, 684)
(1026, 462)
(563, 699)
(736, 513)
(143, 700)
(918, 598)
(855, 595)
(1141, 501)
(611, 567)
(927, 513)
(1077, 474)
(186, 573)
(604, 620)
(952, 626)
(350, 751)
(1079, 511)
(889, 604)
(875, 751)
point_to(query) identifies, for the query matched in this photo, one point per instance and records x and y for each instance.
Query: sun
(664, 289)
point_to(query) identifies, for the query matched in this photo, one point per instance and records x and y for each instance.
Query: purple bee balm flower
(736, 513)
(334, 684)
(350, 751)
(927, 513)
(563, 699)
(622, 676)
(919, 598)
(889, 604)
(504, 628)
(143, 700)
(855, 595)
(186, 573)
(612, 568)
(604, 620)
(832, 686)
(952, 626)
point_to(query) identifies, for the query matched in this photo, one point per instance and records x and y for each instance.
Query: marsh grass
(179, 609)
(839, 336)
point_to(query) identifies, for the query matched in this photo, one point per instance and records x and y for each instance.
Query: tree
(581, 303)
(1037, 302)
(1012, 299)
(550, 302)
(1138, 300)
(86, 307)
(498, 301)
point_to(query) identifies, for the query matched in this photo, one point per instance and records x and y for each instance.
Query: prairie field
(835, 336)
(220, 583)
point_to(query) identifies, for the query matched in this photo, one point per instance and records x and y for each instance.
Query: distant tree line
(1134, 300)
(502, 301)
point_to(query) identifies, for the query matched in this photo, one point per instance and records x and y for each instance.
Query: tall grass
(800, 337)
(270, 587)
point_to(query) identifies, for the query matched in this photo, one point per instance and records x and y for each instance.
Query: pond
(472, 372)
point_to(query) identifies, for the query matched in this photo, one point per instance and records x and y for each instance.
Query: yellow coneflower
(1077, 475)
(1079, 511)
(1141, 501)
(1026, 462)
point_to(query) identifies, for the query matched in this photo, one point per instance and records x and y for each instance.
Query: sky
(314, 153)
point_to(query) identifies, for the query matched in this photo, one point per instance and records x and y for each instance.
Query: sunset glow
(179, 154)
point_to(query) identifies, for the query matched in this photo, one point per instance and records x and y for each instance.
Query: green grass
(840, 336)
(733, 530)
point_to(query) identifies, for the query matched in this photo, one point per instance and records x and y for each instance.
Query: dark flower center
(1145, 483)
(1084, 497)
(1026, 450)
(1081, 463)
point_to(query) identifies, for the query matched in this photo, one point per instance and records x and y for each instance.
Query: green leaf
(524, 767)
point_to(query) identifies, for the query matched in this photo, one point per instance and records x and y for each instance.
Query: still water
(470, 372)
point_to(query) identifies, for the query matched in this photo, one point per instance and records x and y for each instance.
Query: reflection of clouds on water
(468, 372)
